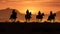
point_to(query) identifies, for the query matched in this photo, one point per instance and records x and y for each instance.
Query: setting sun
(34, 10)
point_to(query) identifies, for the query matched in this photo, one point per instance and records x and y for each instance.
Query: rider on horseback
(40, 16)
(52, 16)
(28, 15)
(13, 16)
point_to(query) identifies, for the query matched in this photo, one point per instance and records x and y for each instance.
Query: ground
(29, 28)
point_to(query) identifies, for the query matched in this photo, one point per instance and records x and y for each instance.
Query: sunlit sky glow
(33, 5)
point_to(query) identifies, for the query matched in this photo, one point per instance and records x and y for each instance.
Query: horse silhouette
(51, 17)
(28, 15)
(13, 16)
(40, 15)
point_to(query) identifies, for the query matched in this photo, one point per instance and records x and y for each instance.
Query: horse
(28, 17)
(40, 17)
(52, 17)
(13, 16)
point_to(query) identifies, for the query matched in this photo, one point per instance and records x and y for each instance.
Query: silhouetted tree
(13, 16)
(40, 16)
(28, 15)
(51, 16)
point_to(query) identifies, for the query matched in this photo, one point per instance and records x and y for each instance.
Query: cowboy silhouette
(51, 16)
(28, 15)
(13, 16)
(40, 15)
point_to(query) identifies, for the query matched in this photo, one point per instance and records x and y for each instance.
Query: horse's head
(54, 14)
(42, 14)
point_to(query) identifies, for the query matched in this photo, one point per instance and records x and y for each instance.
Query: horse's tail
(37, 17)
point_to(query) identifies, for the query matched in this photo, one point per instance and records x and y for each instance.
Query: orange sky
(33, 5)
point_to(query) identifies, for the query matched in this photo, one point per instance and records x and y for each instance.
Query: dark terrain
(29, 28)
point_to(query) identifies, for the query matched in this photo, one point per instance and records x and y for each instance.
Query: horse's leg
(50, 21)
(38, 20)
(28, 20)
(14, 20)
(53, 20)
(11, 19)
(41, 20)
